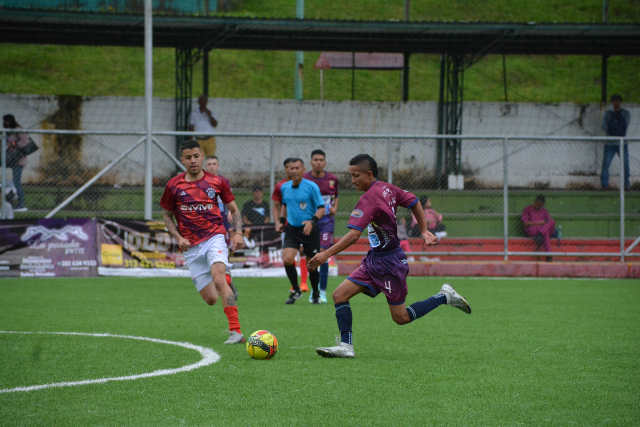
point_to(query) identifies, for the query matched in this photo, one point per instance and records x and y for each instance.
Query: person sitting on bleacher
(538, 224)
(434, 221)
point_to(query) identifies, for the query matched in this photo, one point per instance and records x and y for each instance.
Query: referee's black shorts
(294, 237)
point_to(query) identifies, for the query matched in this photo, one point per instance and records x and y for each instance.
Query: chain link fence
(102, 174)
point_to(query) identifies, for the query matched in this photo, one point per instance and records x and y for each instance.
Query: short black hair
(366, 163)
(189, 144)
(295, 159)
(257, 188)
(318, 151)
(616, 97)
(212, 157)
(286, 161)
(540, 198)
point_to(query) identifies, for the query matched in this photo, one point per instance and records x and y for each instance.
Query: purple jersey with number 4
(376, 211)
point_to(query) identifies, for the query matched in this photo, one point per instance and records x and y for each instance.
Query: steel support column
(185, 58)
(450, 115)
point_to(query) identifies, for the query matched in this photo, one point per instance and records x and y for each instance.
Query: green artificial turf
(533, 352)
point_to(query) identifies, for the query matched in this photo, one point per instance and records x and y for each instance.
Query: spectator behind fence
(538, 224)
(434, 221)
(615, 123)
(16, 141)
(256, 210)
(203, 120)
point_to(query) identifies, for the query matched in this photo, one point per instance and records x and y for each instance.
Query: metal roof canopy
(110, 29)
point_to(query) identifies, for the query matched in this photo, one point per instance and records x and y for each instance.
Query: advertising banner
(146, 244)
(136, 244)
(90, 247)
(48, 248)
(263, 248)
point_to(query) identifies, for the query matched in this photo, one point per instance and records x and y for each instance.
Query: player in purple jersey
(385, 268)
(328, 184)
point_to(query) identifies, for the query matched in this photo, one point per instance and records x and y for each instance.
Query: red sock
(232, 316)
(228, 277)
(303, 270)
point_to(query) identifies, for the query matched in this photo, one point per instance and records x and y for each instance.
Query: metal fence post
(272, 167)
(390, 160)
(622, 183)
(3, 191)
(505, 199)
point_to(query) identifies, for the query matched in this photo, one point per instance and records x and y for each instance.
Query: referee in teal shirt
(302, 207)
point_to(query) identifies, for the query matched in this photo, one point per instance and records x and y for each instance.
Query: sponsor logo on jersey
(198, 207)
(211, 193)
(357, 213)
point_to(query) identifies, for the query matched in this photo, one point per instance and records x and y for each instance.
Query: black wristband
(283, 220)
(314, 219)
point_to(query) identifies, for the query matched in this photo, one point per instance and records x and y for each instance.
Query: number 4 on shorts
(387, 285)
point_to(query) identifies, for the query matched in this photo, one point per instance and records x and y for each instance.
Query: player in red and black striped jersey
(192, 198)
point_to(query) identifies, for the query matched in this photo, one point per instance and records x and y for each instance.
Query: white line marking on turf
(209, 357)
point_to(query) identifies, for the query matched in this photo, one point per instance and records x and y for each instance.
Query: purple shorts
(326, 234)
(386, 273)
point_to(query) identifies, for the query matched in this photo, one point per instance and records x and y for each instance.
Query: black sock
(345, 319)
(314, 278)
(292, 274)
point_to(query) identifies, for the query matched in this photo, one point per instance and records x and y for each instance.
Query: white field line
(209, 357)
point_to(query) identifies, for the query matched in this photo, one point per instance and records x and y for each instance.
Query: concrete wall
(557, 163)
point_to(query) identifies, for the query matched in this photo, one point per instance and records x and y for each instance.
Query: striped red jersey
(195, 205)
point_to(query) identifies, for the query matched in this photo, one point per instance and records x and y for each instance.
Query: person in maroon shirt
(328, 184)
(385, 268)
(192, 197)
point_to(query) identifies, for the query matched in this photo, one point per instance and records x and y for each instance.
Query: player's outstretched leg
(454, 299)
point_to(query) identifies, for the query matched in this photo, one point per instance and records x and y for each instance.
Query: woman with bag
(15, 143)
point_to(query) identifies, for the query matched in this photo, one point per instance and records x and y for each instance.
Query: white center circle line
(209, 357)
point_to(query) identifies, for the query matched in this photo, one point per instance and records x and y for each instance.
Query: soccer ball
(262, 345)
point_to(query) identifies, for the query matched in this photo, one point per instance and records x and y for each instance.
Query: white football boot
(454, 299)
(234, 338)
(343, 350)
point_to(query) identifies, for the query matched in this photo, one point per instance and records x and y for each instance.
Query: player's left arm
(418, 212)
(347, 240)
(236, 222)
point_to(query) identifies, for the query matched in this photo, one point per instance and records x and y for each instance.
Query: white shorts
(202, 256)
